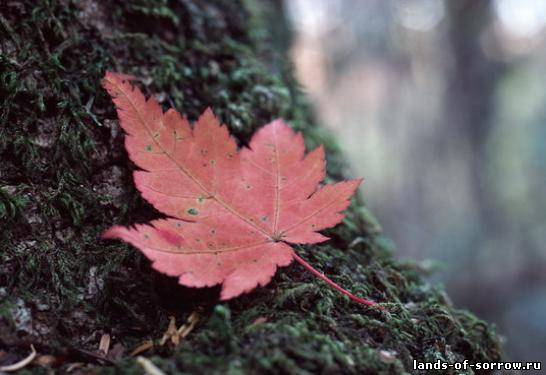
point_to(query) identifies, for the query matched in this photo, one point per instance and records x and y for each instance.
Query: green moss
(11, 205)
(65, 178)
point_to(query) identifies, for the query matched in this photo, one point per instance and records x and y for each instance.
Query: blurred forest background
(441, 107)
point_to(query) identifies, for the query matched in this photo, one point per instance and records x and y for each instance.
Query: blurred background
(441, 107)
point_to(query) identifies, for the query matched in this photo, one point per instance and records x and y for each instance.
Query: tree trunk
(65, 178)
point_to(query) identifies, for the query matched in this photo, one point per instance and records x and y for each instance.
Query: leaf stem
(321, 276)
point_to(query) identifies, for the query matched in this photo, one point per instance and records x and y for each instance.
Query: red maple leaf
(232, 214)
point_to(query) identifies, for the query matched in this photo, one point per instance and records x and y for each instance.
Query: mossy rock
(65, 178)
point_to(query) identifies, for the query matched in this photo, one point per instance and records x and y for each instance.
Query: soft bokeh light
(523, 18)
(421, 15)
(441, 106)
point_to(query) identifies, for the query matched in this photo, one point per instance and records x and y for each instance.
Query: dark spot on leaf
(193, 211)
(264, 218)
(212, 162)
(148, 147)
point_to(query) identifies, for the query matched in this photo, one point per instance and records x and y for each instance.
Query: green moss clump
(64, 178)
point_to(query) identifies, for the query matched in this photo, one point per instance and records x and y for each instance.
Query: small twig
(142, 347)
(184, 329)
(104, 345)
(170, 333)
(74, 366)
(175, 335)
(21, 364)
(148, 366)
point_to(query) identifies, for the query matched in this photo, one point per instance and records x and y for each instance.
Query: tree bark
(65, 178)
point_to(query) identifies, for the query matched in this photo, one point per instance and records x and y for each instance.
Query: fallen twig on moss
(22, 363)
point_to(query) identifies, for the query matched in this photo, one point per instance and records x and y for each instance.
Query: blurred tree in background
(441, 106)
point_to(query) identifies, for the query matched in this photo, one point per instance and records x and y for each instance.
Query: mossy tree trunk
(64, 178)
